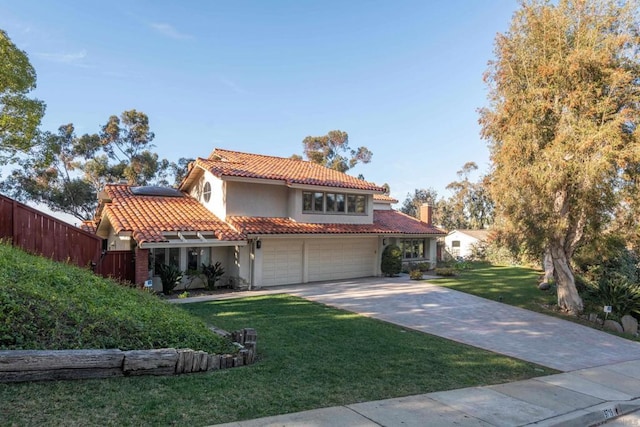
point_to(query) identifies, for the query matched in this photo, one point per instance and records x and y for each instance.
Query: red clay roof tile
(245, 165)
(384, 222)
(384, 198)
(148, 217)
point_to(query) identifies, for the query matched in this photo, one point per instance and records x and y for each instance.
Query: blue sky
(403, 78)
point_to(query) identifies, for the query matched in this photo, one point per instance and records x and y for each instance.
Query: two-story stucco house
(268, 220)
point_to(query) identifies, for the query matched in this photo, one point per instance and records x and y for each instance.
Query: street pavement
(600, 379)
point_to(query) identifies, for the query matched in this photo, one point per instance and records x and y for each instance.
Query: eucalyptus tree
(562, 124)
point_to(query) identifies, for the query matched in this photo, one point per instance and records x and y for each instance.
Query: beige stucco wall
(118, 243)
(217, 202)
(250, 199)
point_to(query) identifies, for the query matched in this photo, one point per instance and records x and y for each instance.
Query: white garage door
(333, 259)
(281, 262)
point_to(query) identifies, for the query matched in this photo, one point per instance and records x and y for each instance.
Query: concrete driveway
(479, 322)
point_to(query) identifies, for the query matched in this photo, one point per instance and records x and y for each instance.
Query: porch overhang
(198, 239)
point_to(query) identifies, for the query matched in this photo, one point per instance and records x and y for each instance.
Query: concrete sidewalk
(581, 398)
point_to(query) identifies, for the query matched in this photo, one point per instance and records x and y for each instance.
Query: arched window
(206, 193)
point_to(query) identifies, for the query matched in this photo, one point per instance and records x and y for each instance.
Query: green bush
(416, 275)
(391, 264)
(606, 259)
(171, 276)
(616, 291)
(444, 271)
(214, 273)
(424, 266)
(52, 306)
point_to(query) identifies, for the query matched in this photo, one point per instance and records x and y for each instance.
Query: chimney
(426, 213)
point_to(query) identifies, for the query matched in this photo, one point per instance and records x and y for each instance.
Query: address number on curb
(610, 412)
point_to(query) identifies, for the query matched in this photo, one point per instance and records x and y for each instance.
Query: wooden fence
(119, 265)
(41, 234)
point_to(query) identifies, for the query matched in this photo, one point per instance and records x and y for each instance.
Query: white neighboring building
(459, 243)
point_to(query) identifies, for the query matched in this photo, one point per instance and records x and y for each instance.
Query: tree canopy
(19, 115)
(562, 124)
(468, 207)
(65, 171)
(332, 150)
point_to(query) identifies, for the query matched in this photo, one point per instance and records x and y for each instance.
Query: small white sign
(610, 412)
(148, 283)
(607, 309)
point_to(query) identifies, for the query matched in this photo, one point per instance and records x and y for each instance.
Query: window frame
(415, 248)
(206, 192)
(334, 203)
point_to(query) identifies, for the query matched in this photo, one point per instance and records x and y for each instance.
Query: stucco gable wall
(216, 203)
(249, 199)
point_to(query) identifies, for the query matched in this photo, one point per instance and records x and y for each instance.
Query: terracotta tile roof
(147, 217)
(403, 224)
(384, 222)
(235, 164)
(384, 198)
(89, 226)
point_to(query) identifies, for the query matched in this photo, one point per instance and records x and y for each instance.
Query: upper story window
(338, 203)
(206, 192)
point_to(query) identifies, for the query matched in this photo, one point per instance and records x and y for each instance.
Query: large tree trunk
(568, 298)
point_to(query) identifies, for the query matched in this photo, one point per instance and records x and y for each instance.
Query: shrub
(214, 273)
(463, 265)
(618, 292)
(424, 266)
(171, 276)
(415, 275)
(391, 260)
(446, 271)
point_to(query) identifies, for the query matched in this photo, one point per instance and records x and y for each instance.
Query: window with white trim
(206, 192)
(335, 203)
(414, 249)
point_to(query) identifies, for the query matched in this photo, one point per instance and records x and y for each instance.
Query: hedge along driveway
(476, 321)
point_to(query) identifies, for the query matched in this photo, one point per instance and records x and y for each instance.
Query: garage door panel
(281, 262)
(335, 259)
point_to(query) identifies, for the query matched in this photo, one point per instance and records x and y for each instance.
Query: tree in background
(411, 205)
(126, 142)
(19, 115)
(332, 150)
(65, 172)
(563, 123)
(49, 174)
(469, 206)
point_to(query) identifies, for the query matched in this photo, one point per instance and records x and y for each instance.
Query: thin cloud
(169, 31)
(76, 58)
(232, 85)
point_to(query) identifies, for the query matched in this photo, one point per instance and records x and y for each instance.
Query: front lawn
(310, 356)
(511, 285)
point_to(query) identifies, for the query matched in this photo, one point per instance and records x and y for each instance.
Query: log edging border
(48, 365)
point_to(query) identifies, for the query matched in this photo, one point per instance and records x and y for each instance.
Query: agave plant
(171, 276)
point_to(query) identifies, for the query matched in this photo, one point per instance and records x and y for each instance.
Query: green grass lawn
(45, 305)
(310, 356)
(511, 285)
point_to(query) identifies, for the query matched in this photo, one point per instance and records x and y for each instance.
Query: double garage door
(283, 261)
